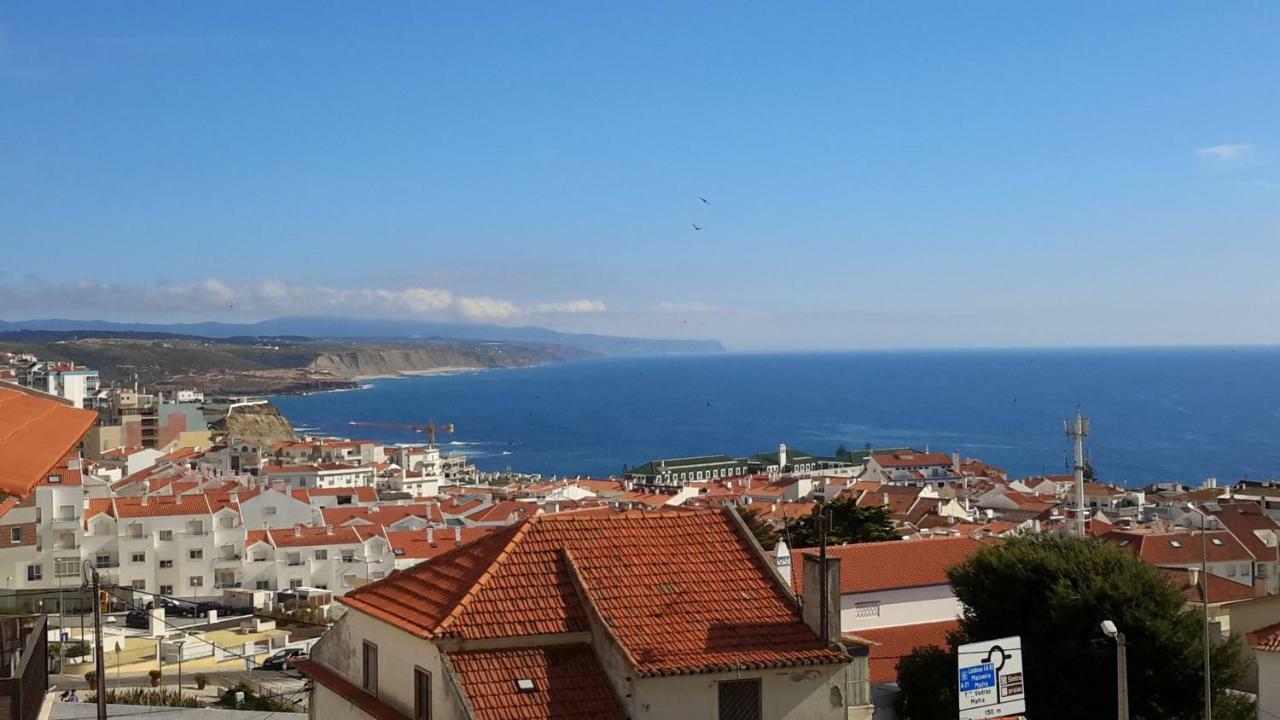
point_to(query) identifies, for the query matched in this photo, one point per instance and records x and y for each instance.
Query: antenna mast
(1077, 430)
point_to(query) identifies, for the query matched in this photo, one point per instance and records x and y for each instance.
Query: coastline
(446, 370)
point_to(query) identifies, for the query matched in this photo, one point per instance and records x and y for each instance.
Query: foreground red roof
(568, 684)
(681, 592)
(1267, 638)
(895, 643)
(892, 564)
(36, 433)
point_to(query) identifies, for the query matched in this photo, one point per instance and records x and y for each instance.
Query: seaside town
(359, 579)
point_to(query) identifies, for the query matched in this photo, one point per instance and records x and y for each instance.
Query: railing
(23, 686)
(195, 533)
(295, 563)
(223, 586)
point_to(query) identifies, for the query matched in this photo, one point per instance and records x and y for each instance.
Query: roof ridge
(465, 600)
(30, 420)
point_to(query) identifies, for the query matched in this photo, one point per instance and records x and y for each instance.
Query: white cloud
(685, 307)
(486, 308)
(1226, 153)
(571, 307)
(214, 298)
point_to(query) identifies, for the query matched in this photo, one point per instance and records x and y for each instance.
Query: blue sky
(879, 175)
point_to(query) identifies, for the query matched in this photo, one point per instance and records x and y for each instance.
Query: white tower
(782, 457)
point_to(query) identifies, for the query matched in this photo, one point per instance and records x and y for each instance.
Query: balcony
(226, 585)
(227, 559)
(67, 521)
(73, 545)
(195, 533)
(295, 563)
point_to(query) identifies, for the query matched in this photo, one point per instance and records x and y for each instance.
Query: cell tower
(1077, 430)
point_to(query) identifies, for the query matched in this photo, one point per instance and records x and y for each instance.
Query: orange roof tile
(36, 433)
(362, 494)
(1266, 639)
(371, 705)
(568, 684)
(418, 545)
(911, 459)
(891, 564)
(682, 592)
(379, 514)
(895, 643)
(1180, 548)
(309, 535)
(1221, 590)
(501, 512)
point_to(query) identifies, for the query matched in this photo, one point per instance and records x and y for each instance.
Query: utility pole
(99, 665)
(1077, 430)
(1122, 678)
(824, 522)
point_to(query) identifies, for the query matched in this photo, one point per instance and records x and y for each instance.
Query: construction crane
(430, 428)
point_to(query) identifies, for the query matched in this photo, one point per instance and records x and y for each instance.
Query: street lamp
(178, 644)
(1122, 669)
(1204, 601)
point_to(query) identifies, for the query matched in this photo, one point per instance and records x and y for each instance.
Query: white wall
(933, 603)
(1268, 685)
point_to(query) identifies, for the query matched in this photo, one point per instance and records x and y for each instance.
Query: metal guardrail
(24, 685)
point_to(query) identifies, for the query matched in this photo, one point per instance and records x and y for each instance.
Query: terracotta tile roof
(371, 705)
(910, 459)
(895, 643)
(1180, 548)
(1221, 590)
(891, 564)
(167, 505)
(36, 433)
(451, 506)
(361, 494)
(1251, 527)
(1266, 639)
(379, 514)
(418, 545)
(682, 592)
(569, 684)
(505, 511)
(782, 511)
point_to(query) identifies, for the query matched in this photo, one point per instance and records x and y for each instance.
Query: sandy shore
(447, 370)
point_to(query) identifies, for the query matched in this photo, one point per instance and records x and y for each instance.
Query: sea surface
(1157, 414)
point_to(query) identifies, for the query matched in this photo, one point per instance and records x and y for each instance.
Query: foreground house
(637, 615)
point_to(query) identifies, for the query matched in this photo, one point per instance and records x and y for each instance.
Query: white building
(335, 559)
(319, 475)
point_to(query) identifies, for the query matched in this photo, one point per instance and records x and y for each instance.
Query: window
(260, 557)
(195, 554)
(197, 581)
(166, 589)
(421, 694)
(369, 680)
(263, 585)
(269, 510)
(1217, 541)
(34, 572)
(166, 564)
(138, 584)
(102, 561)
(166, 535)
(15, 535)
(67, 512)
(54, 479)
(138, 557)
(295, 583)
(739, 700)
(870, 609)
(322, 555)
(66, 567)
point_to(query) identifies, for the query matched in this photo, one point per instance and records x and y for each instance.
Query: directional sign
(990, 680)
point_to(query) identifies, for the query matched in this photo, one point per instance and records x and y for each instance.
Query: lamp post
(178, 644)
(1122, 669)
(1204, 601)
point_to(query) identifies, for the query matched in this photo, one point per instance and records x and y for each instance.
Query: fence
(24, 667)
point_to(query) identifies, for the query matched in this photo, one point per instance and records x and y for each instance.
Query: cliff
(383, 361)
(261, 424)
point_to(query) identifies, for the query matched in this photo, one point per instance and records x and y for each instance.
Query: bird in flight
(704, 200)
(696, 226)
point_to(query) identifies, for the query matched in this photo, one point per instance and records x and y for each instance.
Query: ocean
(1157, 414)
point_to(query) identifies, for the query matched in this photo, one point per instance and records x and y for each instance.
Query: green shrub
(158, 697)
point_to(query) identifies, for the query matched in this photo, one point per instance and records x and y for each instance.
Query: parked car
(280, 660)
(138, 620)
(203, 608)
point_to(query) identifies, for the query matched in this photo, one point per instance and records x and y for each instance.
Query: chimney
(431, 534)
(886, 497)
(822, 612)
(955, 462)
(328, 529)
(297, 531)
(782, 561)
(457, 535)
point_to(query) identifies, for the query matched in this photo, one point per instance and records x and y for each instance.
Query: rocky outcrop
(260, 423)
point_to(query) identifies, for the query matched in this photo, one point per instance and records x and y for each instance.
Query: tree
(1054, 592)
(849, 524)
(761, 529)
(927, 679)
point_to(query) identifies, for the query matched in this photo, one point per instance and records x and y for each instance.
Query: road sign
(990, 682)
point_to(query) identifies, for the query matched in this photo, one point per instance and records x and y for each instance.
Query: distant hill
(345, 328)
